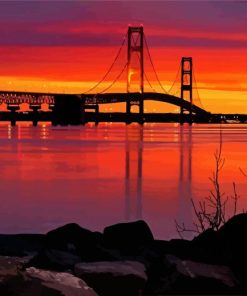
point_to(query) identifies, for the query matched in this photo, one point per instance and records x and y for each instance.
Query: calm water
(96, 176)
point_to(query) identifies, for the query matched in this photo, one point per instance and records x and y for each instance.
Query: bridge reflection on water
(134, 197)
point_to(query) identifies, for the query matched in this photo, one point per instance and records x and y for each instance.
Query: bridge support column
(13, 109)
(97, 114)
(186, 86)
(35, 109)
(130, 116)
(67, 110)
(83, 113)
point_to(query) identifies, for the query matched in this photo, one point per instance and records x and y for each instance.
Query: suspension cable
(114, 81)
(150, 58)
(148, 81)
(194, 77)
(110, 68)
(179, 69)
(145, 75)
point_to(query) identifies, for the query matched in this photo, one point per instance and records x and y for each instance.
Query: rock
(232, 246)
(188, 277)
(9, 266)
(207, 248)
(71, 237)
(57, 260)
(114, 278)
(75, 239)
(64, 283)
(127, 235)
(233, 243)
(21, 244)
(15, 281)
(206, 237)
(226, 246)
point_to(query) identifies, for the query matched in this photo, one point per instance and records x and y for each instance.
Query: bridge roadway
(16, 98)
(107, 98)
(73, 108)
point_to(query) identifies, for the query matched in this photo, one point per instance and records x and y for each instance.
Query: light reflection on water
(96, 176)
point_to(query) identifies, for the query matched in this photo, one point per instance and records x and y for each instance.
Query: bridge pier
(181, 116)
(138, 117)
(67, 110)
(13, 116)
(94, 107)
(35, 109)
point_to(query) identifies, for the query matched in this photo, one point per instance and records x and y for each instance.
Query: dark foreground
(124, 260)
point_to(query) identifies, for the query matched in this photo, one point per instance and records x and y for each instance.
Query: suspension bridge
(130, 65)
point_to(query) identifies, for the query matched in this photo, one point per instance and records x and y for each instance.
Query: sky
(67, 46)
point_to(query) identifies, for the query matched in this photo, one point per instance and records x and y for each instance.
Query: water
(96, 176)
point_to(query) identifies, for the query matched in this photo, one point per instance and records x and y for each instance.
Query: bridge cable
(149, 83)
(114, 81)
(145, 75)
(110, 68)
(194, 77)
(178, 72)
(150, 58)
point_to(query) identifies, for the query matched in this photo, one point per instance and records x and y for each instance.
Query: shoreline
(125, 259)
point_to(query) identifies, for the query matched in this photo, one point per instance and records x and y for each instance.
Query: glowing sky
(68, 46)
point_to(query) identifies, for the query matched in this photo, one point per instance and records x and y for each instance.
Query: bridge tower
(186, 85)
(135, 68)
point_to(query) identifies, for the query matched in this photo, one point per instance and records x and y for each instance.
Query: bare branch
(243, 172)
(211, 212)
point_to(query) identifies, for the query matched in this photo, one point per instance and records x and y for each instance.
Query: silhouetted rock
(71, 244)
(51, 259)
(75, 239)
(21, 244)
(71, 237)
(126, 259)
(14, 281)
(233, 243)
(10, 266)
(127, 235)
(207, 248)
(113, 278)
(208, 236)
(227, 246)
(188, 277)
(60, 282)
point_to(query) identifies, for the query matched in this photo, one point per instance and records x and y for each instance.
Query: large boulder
(75, 239)
(52, 259)
(207, 247)
(233, 245)
(64, 284)
(10, 266)
(114, 278)
(189, 277)
(127, 235)
(226, 246)
(71, 237)
(15, 281)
